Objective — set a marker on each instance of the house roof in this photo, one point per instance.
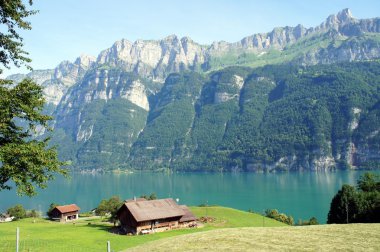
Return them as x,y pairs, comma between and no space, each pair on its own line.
67,208
189,216
136,199
154,209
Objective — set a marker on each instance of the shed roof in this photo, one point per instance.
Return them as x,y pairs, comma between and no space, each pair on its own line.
67,208
189,216
154,209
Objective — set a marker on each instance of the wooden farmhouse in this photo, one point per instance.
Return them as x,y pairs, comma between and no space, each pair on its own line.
142,216
65,213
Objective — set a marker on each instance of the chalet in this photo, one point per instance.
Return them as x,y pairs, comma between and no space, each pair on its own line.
145,216
65,213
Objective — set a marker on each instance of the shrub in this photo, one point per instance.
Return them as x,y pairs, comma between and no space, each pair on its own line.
17,211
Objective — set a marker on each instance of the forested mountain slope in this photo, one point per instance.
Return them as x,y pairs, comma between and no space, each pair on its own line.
294,98
274,117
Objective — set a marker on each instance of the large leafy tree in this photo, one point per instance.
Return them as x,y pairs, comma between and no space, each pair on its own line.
13,14
17,211
110,207
26,161
351,205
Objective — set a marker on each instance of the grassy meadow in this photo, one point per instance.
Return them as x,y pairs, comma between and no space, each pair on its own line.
230,229
92,234
351,237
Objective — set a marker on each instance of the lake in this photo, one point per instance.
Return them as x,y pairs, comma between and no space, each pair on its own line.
300,194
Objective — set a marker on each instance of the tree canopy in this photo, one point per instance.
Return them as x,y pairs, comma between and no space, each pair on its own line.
351,205
13,16
110,207
26,160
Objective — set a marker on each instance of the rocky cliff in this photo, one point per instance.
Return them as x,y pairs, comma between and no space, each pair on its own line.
56,82
174,103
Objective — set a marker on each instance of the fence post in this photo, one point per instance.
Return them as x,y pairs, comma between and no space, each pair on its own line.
17,238
108,246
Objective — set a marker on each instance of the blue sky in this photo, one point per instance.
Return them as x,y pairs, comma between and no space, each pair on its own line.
62,30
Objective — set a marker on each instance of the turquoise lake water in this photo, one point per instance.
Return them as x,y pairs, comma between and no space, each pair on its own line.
300,194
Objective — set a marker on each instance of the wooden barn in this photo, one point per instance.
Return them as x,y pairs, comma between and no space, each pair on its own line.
65,213
142,216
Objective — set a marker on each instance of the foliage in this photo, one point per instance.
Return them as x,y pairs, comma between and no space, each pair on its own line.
51,207
109,207
278,117
33,214
24,160
311,221
274,214
27,162
114,125
13,15
369,182
152,196
17,211
352,205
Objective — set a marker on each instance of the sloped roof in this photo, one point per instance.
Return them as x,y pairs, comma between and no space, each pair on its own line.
189,216
67,208
136,199
154,209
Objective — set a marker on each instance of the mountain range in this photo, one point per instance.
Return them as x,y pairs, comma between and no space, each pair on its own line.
294,98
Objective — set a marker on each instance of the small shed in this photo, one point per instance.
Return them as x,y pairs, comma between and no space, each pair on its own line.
65,213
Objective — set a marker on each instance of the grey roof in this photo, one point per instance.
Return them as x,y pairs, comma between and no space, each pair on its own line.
154,209
189,216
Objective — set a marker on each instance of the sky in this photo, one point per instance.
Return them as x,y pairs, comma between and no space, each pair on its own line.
63,30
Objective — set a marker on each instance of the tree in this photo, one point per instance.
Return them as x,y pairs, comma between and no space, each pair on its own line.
313,221
33,214
274,214
12,17
362,205
369,182
152,196
27,161
343,206
17,211
51,207
110,207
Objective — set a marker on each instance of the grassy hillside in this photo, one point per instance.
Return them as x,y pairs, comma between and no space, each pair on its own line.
42,235
352,237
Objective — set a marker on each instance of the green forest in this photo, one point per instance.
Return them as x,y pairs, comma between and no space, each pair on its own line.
271,118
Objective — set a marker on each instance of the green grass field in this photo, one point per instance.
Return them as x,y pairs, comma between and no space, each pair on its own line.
351,237
231,230
44,235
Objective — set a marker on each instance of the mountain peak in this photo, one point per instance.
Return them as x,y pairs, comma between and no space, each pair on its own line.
335,21
171,37
344,15
85,60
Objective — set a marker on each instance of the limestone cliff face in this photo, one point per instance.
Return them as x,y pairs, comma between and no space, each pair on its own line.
125,80
348,39
227,89
154,59
56,82
99,86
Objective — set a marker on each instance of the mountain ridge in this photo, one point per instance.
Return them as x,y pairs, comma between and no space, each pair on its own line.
176,104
